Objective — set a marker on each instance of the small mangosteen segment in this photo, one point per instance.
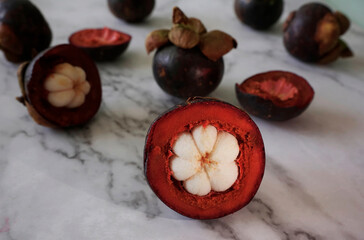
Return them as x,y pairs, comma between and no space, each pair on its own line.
61,87
275,95
131,10
204,159
24,32
312,34
258,14
102,44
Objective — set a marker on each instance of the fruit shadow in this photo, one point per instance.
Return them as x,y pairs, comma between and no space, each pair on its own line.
315,122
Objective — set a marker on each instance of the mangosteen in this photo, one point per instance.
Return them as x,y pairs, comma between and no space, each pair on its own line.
103,44
60,87
258,14
275,95
23,30
312,34
131,10
204,159
188,61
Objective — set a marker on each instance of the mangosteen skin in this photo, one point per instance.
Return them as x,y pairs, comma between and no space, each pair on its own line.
24,32
264,108
299,37
132,11
186,73
105,53
259,14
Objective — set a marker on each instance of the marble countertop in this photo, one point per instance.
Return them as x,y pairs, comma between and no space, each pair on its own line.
88,183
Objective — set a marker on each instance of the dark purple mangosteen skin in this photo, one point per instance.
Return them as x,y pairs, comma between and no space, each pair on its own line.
186,73
265,109
105,53
131,10
299,36
29,26
258,14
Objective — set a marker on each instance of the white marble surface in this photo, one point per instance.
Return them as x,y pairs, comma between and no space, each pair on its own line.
88,183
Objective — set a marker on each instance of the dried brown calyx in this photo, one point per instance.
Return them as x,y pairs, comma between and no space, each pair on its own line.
190,32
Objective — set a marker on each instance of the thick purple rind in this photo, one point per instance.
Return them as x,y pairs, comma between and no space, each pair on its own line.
186,73
103,53
265,108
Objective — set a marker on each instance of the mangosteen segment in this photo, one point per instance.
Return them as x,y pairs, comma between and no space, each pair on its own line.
205,160
24,32
102,44
275,95
61,87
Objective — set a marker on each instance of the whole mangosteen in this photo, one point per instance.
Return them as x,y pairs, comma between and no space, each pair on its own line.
259,14
312,34
131,10
189,60
23,30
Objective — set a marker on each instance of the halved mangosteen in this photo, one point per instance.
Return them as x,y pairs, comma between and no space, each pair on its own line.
275,95
188,61
131,10
24,32
102,44
204,159
60,87
312,34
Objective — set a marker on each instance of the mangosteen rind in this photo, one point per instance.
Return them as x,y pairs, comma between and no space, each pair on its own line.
186,72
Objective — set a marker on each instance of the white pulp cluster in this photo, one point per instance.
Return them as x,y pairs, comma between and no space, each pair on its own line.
205,160
67,86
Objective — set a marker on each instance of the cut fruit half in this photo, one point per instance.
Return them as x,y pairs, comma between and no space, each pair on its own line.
275,95
204,159
60,87
103,44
